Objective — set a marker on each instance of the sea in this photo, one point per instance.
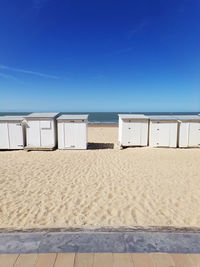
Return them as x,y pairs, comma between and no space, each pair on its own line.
105,117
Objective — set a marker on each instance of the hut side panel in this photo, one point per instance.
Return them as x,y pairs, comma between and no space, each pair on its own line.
61,140
11,133
144,133
4,139
184,134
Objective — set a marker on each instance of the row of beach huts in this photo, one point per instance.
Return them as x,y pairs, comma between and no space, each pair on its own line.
44,131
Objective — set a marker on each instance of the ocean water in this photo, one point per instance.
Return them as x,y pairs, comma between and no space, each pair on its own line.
106,117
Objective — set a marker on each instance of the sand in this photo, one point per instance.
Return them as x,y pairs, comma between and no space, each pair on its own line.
100,187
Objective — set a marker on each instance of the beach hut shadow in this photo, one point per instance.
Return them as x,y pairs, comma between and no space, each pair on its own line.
100,146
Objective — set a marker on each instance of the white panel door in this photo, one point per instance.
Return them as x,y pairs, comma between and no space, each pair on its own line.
127,133
33,133
163,134
46,134
4,139
69,135
80,135
16,135
194,134
136,138
75,135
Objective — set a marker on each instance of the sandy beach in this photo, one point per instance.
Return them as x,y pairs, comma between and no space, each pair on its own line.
102,186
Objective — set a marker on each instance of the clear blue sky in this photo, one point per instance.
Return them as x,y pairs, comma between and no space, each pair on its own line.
66,55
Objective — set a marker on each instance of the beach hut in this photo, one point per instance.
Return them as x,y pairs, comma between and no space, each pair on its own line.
133,130
41,131
163,131
72,131
11,132
189,130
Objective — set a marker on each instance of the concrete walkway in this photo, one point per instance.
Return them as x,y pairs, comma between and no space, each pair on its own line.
100,241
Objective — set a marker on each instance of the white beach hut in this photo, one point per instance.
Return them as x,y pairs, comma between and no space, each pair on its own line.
133,130
189,130
163,131
41,131
11,132
72,131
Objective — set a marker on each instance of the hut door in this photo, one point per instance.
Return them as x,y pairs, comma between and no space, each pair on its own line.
16,135
128,133
33,133
74,135
162,132
69,134
194,134
80,136
136,138
4,141
46,133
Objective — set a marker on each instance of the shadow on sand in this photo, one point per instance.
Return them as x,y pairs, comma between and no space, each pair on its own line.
100,145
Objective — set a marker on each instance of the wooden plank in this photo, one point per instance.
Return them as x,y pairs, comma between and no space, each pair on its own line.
142,260
123,260
65,260
182,260
103,260
45,260
162,260
195,259
8,260
26,260
84,260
